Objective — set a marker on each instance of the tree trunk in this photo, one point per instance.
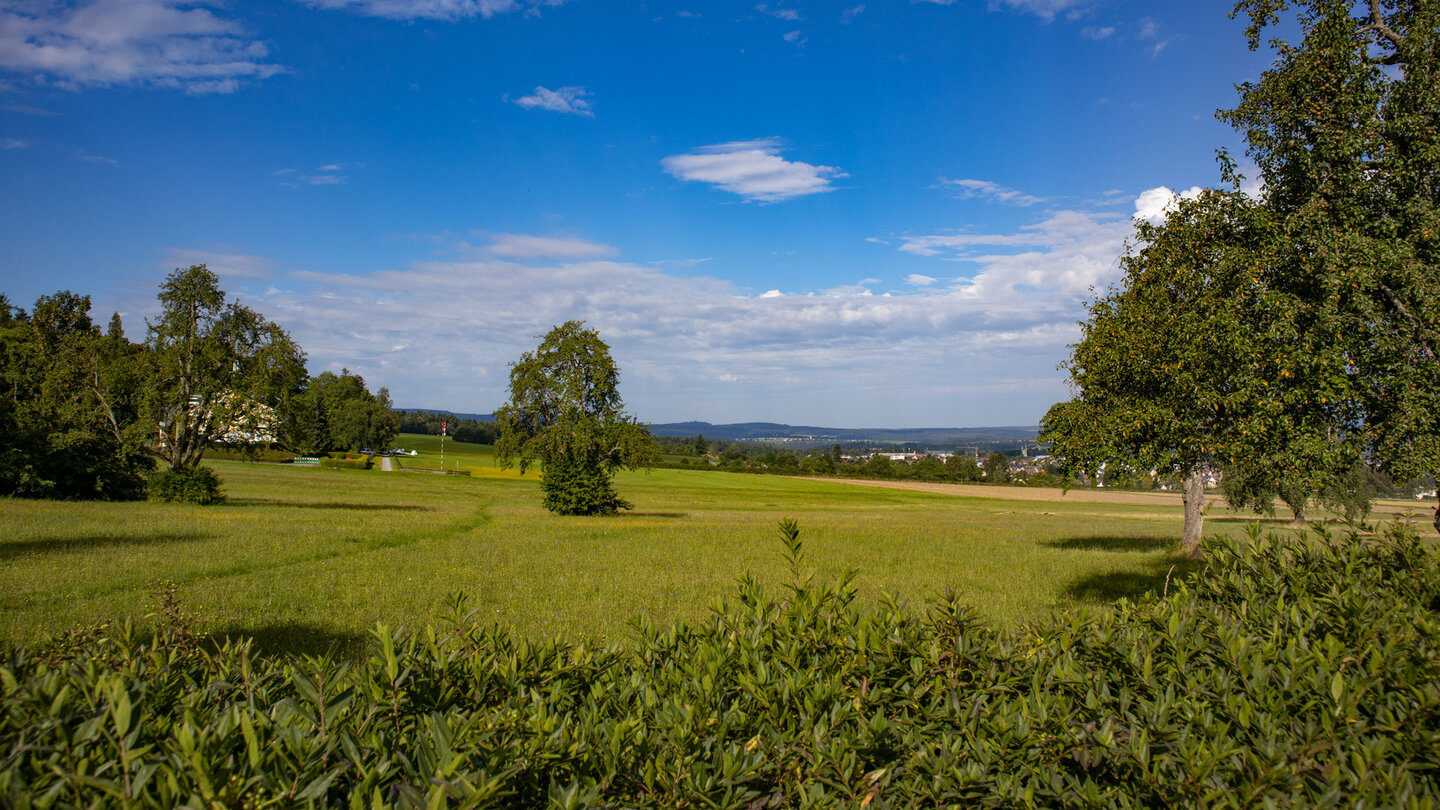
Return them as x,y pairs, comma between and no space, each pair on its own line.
1299,512
1194,499
1437,517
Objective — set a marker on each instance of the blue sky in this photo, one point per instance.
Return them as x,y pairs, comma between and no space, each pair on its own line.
877,215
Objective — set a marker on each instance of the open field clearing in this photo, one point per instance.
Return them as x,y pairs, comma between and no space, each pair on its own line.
1384,509
302,557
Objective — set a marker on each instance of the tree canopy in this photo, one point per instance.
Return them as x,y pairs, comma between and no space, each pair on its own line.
219,370
1292,335
565,412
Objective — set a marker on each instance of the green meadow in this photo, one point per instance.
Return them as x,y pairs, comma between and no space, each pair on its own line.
303,558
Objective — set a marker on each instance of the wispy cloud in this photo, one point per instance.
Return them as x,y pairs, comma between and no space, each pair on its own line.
970,188
14,143
226,264
848,15
157,43
1044,9
524,247
753,170
101,159
26,109
563,100
796,38
1097,32
789,14
444,10
326,175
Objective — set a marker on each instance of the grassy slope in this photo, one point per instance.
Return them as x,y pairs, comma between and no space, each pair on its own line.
303,557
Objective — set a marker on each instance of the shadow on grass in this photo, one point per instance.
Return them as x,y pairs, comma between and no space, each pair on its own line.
1105,588
359,507
296,638
652,514
62,545
1115,543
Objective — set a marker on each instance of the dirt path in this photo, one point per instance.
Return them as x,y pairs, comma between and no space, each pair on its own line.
1023,493
1382,510
385,464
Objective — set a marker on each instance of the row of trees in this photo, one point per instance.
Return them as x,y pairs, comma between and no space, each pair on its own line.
1291,337
459,428
86,413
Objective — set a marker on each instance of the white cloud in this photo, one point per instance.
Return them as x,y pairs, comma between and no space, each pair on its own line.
848,15
101,159
753,170
158,43
795,37
14,143
523,247
446,10
563,100
789,14
973,346
969,188
1153,204
1097,33
853,356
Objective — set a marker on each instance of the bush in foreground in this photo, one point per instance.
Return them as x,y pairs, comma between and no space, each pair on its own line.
197,485
1290,673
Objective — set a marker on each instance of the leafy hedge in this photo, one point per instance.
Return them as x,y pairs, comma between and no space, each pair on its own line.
1288,673
348,463
271,455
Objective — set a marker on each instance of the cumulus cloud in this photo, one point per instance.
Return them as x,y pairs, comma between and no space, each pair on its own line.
157,43
522,247
1153,204
443,10
563,100
753,170
970,188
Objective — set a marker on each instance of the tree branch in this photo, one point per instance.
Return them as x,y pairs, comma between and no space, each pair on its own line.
1377,24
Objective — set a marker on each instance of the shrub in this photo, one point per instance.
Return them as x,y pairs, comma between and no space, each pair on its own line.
1293,673
348,463
198,485
266,454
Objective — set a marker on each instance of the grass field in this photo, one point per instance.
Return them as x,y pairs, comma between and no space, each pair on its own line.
302,558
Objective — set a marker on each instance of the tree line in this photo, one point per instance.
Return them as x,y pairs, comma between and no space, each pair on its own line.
87,413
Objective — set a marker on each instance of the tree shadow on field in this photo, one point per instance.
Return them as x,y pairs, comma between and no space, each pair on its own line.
1104,588
62,545
1115,543
296,638
359,507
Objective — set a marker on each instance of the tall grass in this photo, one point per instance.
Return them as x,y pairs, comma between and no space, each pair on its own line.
305,558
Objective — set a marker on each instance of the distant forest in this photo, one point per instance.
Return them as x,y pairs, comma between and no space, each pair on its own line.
463,428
